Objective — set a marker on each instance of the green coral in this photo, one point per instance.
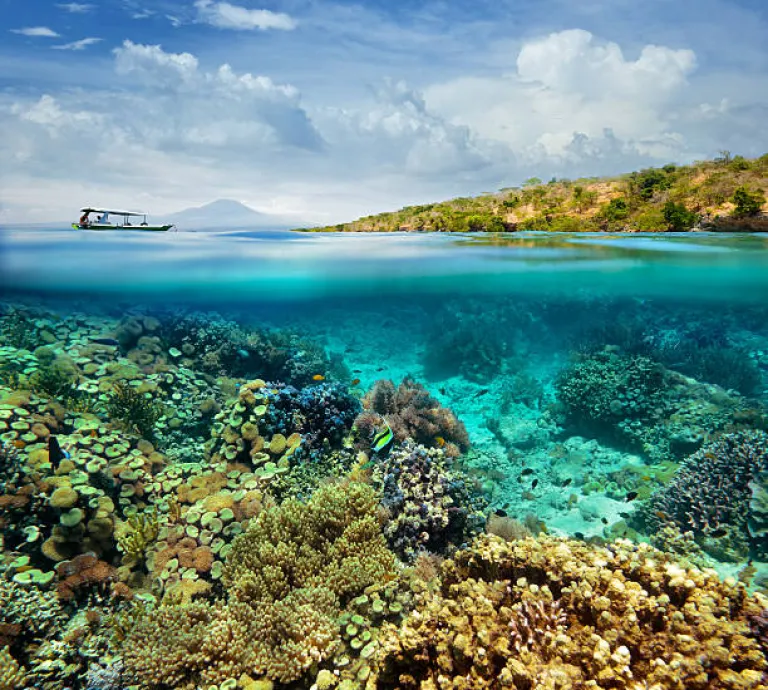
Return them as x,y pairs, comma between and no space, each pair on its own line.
139,534
134,411
333,541
287,581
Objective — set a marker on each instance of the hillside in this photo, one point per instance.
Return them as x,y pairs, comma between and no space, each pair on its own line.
728,193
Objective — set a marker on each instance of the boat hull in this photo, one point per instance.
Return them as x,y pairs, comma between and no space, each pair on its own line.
124,228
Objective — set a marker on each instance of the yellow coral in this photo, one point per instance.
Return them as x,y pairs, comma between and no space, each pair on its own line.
553,613
11,674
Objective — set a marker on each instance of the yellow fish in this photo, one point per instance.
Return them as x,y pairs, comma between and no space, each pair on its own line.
440,441
318,377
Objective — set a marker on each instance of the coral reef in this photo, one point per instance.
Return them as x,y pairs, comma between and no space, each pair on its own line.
711,494
287,579
412,413
430,506
555,613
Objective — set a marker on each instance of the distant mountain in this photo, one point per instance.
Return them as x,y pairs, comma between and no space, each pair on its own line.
226,214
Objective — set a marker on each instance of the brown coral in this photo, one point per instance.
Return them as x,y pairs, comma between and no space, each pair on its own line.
552,613
413,413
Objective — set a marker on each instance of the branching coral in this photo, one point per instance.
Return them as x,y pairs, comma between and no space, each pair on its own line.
553,613
287,579
333,541
11,674
133,410
710,494
414,414
138,534
610,394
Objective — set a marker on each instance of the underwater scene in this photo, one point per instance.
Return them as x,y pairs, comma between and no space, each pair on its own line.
266,461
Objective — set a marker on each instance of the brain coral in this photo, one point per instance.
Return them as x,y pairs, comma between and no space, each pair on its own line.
555,613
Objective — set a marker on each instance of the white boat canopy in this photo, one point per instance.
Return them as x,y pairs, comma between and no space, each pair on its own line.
114,213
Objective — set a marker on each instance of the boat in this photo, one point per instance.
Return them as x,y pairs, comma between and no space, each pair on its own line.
102,222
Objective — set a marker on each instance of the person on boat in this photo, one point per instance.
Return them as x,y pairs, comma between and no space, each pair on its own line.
84,218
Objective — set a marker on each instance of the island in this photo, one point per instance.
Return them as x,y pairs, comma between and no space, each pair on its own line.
725,194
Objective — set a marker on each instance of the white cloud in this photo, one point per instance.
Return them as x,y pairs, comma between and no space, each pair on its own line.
226,16
569,85
48,113
36,32
75,7
78,45
153,62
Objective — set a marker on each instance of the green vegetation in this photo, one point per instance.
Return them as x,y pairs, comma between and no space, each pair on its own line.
717,194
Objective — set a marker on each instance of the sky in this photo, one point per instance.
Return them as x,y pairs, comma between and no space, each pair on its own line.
326,111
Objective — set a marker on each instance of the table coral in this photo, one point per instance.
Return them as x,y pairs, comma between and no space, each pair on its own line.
553,613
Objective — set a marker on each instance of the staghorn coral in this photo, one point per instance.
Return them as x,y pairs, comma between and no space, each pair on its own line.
553,613
430,505
710,494
138,533
414,414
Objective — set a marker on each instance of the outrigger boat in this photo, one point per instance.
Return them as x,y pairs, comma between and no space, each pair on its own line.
102,222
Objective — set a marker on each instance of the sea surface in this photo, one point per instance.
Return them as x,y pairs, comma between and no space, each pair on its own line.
171,403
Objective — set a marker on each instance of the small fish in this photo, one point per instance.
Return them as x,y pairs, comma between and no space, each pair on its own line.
506,505
55,452
501,513
19,444
566,482
631,496
482,391
357,371
440,441
534,484
645,478
441,391
318,377
526,471
94,433
99,340
604,520
355,382
661,515
380,368
383,441
719,532
244,354
578,535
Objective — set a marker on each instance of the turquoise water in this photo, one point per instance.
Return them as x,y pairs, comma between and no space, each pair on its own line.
587,387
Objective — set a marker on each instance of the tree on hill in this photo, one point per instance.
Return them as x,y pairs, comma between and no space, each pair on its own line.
747,203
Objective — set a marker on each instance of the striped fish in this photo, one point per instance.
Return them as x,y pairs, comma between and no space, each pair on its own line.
383,441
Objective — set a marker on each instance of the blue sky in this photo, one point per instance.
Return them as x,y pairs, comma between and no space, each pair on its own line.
326,111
